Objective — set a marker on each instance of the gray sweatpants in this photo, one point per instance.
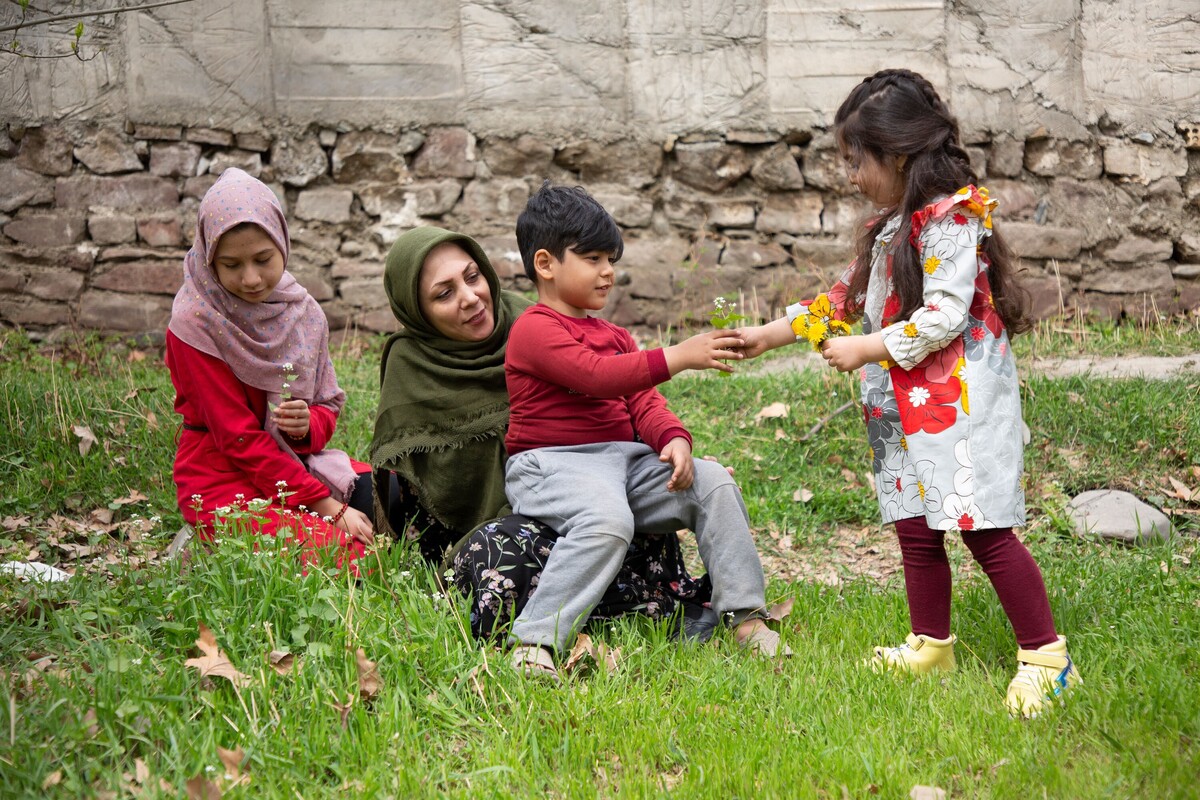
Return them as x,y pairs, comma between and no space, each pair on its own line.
596,496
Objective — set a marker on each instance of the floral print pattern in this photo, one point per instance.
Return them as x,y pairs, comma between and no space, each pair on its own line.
499,565
951,455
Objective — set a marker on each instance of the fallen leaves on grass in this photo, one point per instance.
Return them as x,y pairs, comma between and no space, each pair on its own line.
343,709
214,663
801,495
369,682
1182,491
201,788
773,411
780,610
86,438
281,661
232,760
600,653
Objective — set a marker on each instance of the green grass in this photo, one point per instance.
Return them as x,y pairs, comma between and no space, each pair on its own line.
451,719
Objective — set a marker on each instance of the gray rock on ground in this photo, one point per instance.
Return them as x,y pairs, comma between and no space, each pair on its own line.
1112,514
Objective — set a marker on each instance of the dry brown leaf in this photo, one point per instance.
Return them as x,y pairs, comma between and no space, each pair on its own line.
607,657
850,477
583,647
281,661
140,771
90,719
343,709
780,610
86,438
232,761
780,434
1182,491
201,788
133,497
53,779
927,793
137,355
801,495
14,523
773,411
369,682
214,663
102,515
151,420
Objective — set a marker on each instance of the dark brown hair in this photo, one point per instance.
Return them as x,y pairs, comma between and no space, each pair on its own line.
897,112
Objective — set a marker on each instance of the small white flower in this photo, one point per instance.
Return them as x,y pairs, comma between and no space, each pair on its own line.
239,497
195,498
405,574
278,485
287,367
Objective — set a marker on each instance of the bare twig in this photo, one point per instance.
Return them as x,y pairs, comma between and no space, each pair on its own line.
823,421
95,13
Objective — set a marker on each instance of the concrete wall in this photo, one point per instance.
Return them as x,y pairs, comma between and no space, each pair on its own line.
701,123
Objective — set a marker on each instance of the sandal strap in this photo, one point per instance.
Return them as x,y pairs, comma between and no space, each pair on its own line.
1048,660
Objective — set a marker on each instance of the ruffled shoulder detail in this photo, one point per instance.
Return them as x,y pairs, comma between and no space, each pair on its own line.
975,200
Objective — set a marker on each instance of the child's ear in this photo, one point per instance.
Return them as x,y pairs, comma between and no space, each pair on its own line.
543,264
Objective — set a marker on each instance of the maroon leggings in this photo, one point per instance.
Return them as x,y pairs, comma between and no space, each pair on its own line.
1007,563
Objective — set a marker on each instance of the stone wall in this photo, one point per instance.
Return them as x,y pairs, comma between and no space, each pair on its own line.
702,125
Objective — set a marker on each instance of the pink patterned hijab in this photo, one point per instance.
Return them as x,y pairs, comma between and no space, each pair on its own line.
256,340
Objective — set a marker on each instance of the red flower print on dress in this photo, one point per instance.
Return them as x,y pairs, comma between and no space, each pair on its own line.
891,307
984,309
925,405
959,219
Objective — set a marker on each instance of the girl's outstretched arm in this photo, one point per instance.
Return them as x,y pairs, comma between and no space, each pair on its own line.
761,338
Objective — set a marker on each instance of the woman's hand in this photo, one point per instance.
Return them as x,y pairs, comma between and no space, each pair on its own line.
292,417
678,453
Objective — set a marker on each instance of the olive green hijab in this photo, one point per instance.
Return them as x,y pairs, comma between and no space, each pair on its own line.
443,404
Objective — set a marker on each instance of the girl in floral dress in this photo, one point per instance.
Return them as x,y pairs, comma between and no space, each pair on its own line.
933,285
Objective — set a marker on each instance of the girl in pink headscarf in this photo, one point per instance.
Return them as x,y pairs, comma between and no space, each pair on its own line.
248,352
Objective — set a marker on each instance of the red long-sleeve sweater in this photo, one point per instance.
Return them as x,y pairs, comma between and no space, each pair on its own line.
583,381
233,454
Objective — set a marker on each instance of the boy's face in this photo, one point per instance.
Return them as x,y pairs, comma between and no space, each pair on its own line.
576,284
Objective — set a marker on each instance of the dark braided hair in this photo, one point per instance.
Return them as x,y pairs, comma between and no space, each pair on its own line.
895,113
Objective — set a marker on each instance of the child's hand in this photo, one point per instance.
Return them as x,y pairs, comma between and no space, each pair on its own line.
678,453
761,338
358,525
846,353
704,351
292,417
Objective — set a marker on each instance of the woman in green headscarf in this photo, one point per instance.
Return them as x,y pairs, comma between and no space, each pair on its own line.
443,409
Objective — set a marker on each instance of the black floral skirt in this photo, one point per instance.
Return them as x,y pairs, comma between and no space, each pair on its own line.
498,566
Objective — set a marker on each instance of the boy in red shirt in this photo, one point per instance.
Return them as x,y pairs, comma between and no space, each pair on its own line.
593,450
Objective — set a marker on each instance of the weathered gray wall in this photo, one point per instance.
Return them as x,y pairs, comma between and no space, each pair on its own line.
703,126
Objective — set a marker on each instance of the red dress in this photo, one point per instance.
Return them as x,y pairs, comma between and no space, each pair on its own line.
226,458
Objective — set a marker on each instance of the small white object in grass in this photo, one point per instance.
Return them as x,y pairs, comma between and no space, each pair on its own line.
35,570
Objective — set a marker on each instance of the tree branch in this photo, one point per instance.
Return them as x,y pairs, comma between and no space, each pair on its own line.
81,14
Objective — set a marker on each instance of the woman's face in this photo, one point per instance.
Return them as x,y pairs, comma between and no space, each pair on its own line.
454,295
247,263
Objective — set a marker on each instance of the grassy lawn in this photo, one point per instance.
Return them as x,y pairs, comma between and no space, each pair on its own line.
98,700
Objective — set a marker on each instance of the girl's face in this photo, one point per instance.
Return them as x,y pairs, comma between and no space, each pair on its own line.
881,180
455,296
247,263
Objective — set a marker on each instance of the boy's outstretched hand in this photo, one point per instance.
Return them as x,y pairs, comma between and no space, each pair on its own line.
678,453
704,351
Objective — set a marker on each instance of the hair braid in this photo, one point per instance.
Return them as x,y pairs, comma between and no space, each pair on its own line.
898,113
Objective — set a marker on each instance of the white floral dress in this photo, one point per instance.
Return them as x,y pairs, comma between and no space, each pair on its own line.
944,418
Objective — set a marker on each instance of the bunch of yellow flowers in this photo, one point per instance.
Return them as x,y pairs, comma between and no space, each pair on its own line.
819,324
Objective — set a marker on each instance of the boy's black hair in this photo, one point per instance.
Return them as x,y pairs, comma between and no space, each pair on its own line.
561,218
